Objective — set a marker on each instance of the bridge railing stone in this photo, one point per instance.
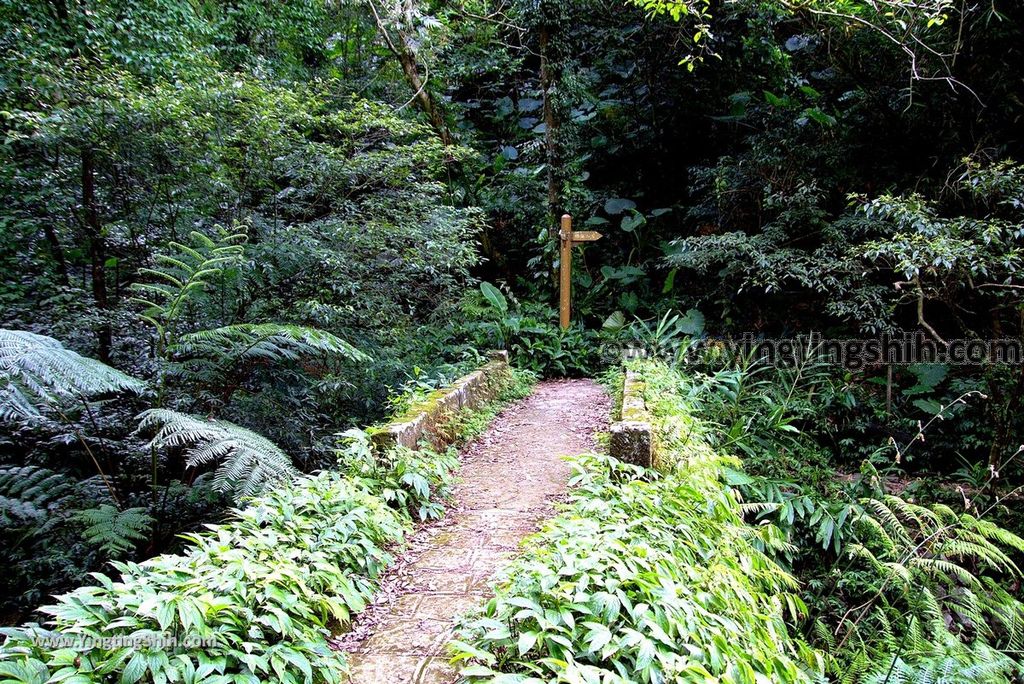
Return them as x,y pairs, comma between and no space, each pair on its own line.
632,436
431,421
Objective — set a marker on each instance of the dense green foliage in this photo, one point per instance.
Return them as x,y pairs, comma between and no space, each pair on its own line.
256,598
755,569
924,592
265,586
193,197
231,231
644,578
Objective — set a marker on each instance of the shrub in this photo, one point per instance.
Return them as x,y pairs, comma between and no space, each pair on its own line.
529,332
415,482
266,588
898,590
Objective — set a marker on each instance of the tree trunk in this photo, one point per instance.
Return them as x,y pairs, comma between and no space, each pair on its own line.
411,69
396,37
550,146
97,252
57,252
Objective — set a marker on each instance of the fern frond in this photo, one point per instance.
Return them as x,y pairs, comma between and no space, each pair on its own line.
248,462
185,271
1006,611
29,493
944,662
874,531
857,667
929,561
897,572
269,341
927,608
992,532
944,570
95,489
983,553
888,519
114,532
921,515
946,515
37,373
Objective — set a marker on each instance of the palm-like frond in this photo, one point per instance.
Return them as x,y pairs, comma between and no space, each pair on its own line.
29,493
887,517
37,372
933,564
943,570
928,662
992,532
114,531
268,341
184,272
248,462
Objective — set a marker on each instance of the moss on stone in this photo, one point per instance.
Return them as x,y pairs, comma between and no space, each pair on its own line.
435,419
632,438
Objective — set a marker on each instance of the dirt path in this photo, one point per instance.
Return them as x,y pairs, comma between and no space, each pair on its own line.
510,477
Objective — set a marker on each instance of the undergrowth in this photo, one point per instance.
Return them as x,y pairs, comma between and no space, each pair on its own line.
254,599
644,577
898,590
750,559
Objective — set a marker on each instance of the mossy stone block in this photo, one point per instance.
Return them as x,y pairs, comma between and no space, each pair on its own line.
631,442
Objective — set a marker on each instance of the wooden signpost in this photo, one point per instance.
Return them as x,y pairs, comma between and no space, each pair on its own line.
567,238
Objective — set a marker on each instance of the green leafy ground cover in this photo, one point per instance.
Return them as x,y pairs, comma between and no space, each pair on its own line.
750,559
645,577
354,170
266,589
900,585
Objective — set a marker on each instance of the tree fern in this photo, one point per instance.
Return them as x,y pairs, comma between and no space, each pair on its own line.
186,271
114,532
267,341
28,494
206,354
37,373
248,462
95,489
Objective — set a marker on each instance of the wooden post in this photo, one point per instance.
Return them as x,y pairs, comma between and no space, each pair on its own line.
566,239
565,271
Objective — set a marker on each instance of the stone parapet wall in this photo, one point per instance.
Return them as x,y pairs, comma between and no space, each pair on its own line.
430,421
632,436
